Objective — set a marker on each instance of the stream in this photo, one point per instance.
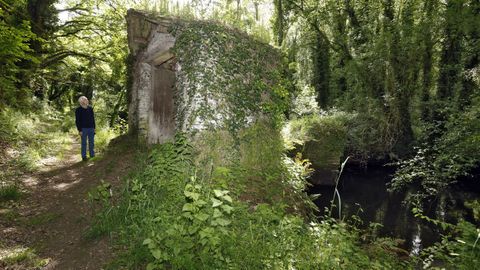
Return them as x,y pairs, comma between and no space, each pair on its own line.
364,194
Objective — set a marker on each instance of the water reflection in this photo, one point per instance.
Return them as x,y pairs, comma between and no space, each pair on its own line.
364,194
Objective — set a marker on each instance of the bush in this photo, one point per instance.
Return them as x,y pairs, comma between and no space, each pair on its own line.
103,137
443,158
305,103
320,138
369,137
173,215
459,248
32,136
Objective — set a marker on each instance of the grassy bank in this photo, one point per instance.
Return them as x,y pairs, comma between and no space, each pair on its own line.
177,212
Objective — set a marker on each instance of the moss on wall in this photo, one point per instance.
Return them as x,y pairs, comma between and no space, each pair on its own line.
321,139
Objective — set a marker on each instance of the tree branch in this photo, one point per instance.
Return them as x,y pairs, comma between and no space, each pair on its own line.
64,54
76,22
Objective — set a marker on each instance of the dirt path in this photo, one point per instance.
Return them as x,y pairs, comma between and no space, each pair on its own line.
55,216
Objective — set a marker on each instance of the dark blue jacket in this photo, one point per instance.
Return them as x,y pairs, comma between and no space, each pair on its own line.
84,118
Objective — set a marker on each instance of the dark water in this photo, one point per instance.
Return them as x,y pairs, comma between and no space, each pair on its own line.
364,194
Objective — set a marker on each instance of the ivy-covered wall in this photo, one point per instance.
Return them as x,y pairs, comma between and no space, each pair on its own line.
225,79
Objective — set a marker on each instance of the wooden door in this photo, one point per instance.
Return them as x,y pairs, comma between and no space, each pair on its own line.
162,111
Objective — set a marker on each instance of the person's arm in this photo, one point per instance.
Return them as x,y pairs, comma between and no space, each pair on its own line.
77,121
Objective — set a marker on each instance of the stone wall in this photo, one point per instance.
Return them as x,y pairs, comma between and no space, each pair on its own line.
150,43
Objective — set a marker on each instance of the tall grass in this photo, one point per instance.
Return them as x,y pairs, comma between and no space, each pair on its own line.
27,139
32,136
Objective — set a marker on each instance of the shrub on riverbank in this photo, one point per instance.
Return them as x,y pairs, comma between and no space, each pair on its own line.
173,214
320,138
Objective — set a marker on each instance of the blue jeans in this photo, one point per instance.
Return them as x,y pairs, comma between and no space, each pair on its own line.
90,134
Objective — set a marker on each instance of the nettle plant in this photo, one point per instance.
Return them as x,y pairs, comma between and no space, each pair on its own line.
198,230
101,193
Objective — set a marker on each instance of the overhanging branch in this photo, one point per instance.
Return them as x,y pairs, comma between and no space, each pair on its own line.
56,57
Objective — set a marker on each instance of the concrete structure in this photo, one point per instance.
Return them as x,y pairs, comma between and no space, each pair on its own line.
221,79
152,107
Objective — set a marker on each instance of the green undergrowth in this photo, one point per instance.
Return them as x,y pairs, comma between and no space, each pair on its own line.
9,192
363,133
448,154
459,247
20,258
320,138
449,151
325,137
30,136
243,209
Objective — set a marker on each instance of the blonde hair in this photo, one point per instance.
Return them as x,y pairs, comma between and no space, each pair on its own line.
83,100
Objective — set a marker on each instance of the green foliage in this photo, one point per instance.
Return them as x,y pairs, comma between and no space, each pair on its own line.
253,166
351,53
172,214
15,35
214,149
244,77
418,213
31,136
103,136
320,138
304,103
275,240
362,135
452,155
382,61
475,206
9,192
156,190
369,137
101,193
260,168
458,250
193,240
21,258
83,55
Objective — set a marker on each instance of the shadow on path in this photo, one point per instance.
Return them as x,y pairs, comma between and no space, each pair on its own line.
56,214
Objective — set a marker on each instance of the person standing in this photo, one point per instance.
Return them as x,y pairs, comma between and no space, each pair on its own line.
85,121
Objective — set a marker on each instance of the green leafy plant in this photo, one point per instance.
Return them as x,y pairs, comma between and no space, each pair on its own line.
198,230
439,164
320,138
9,193
173,215
459,249
101,193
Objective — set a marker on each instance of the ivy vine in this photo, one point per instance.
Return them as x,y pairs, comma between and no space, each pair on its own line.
226,79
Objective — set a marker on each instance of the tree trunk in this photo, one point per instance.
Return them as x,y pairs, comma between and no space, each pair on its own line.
472,61
403,79
450,62
321,69
278,27
427,61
